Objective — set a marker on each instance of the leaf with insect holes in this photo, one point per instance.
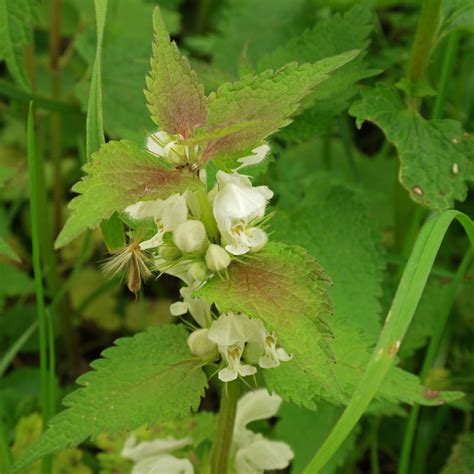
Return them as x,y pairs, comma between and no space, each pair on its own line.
269,99
435,155
120,174
175,98
144,379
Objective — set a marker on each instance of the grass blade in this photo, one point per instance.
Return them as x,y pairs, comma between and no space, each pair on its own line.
45,380
403,307
112,229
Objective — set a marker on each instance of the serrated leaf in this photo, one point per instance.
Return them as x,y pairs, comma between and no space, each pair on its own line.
285,288
120,174
328,37
175,98
7,251
16,17
435,155
270,98
148,378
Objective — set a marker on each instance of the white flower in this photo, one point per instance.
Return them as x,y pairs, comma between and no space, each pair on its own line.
230,332
168,214
264,349
254,452
197,307
200,344
217,259
152,457
257,156
190,236
236,205
168,147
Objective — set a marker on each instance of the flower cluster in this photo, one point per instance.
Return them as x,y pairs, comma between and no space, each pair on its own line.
198,234
252,452
240,342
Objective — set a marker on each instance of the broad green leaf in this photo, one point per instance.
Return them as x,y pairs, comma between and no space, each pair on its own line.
15,281
120,174
332,221
270,98
287,289
7,251
461,459
148,378
328,37
175,98
249,29
435,155
16,17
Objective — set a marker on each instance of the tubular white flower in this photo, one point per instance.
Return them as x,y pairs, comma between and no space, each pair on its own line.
257,156
255,453
264,349
200,344
217,259
190,236
197,307
235,206
167,146
152,457
232,355
168,214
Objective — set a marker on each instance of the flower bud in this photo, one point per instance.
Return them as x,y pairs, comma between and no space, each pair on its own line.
198,271
190,236
178,308
217,258
169,252
200,344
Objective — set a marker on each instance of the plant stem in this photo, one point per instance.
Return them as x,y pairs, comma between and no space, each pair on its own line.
425,39
38,278
403,307
446,71
207,217
374,447
5,453
445,310
345,131
225,428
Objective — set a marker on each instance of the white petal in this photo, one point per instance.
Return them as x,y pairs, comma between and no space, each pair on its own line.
145,209
163,464
257,156
227,375
178,308
237,248
198,307
175,211
256,405
156,142
283,355
145,449
154,242
234,178
230,329
257,238
246,370
263,454
190,236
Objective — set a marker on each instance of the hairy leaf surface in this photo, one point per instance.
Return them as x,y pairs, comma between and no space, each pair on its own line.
175,98
270,98
148,378
435,155
120,174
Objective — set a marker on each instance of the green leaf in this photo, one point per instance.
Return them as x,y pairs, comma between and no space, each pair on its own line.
457,15
270,98
120,174
148,378
15,281
175,98
461,460
7,251
297,425
435,155
332,221
16,17
328,37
